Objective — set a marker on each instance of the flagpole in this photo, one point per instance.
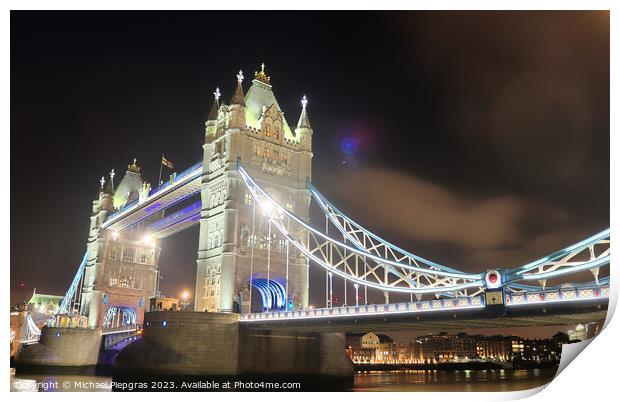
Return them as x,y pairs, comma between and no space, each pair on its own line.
161,160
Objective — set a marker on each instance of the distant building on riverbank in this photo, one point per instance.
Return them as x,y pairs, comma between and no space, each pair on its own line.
439,348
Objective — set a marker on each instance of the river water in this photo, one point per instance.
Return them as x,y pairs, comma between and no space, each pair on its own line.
400,380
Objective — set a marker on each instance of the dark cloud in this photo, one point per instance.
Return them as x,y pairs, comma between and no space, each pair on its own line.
498,231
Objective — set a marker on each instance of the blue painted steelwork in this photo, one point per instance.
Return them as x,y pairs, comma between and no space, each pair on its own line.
273,293
565,294
324,203
518,287
184,214
193,170
65,305
463,303
253,186
129,316
604,235
187,172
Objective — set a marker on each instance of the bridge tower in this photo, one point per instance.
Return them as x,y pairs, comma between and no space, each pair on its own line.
122,268
236,250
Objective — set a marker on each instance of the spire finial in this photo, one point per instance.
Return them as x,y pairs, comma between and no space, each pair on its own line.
112,174
134,167
303,122
217,94
240,76
102,181
261,76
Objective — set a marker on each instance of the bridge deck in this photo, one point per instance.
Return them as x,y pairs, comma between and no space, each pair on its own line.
552,307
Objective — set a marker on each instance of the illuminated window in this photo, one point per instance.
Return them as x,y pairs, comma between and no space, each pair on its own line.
289,206
248,199
252,240
129,255
113,281
125,282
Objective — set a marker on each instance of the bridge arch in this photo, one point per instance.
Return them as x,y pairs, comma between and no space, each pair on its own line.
118,316
272,293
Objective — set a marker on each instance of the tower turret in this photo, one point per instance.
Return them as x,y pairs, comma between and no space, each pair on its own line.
303,130
211,123
131,183
237,105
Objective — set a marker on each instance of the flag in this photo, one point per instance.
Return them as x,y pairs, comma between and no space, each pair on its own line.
166,162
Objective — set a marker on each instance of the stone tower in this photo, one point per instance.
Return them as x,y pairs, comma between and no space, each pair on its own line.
121,269
234,244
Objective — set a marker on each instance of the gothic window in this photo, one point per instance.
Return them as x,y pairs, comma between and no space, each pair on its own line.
289,205
112,254
113,281
248,199
143,259
282,245
125,282
129,254
252,240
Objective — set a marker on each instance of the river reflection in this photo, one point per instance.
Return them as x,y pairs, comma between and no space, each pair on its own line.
458,380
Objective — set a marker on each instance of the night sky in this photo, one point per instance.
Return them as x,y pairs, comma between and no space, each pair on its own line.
479,139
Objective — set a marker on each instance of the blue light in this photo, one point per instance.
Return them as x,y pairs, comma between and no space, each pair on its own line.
164,323
348,145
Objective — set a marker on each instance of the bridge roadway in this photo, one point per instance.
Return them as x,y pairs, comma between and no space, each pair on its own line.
521,309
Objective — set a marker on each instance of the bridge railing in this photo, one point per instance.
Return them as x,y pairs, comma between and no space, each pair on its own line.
556,295
124,328
371,309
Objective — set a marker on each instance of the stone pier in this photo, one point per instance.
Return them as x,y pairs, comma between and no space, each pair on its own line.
68,347
189,343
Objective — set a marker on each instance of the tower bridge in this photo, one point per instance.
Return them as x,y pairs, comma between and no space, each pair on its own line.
250,195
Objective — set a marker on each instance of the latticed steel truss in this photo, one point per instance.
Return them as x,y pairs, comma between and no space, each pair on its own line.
347,257
366,240
358,255
589,254
73,295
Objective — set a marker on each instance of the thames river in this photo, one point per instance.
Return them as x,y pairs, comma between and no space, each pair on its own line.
401,380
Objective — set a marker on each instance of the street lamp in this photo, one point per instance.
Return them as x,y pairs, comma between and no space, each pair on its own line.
185,299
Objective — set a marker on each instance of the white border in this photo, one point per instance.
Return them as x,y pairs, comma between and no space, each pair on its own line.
590,376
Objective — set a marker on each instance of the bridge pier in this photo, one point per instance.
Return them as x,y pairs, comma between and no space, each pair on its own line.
191,343
68,347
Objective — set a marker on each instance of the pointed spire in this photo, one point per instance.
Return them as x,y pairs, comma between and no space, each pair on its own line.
216,105
109,187
304,121
238,98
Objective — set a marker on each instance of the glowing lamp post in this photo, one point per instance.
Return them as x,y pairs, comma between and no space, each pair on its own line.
185,299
